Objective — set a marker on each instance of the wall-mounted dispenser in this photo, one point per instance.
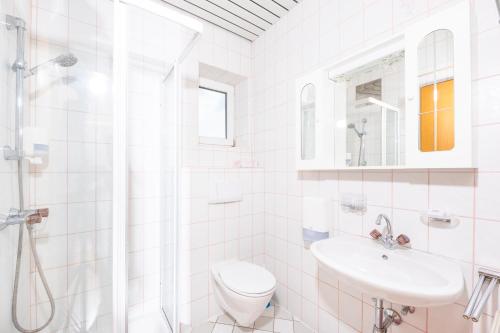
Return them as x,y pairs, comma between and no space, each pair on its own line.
316,216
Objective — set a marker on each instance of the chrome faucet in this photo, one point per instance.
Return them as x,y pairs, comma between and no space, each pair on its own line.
387,238
29,216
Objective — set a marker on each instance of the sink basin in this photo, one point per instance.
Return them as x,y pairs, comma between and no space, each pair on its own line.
401,275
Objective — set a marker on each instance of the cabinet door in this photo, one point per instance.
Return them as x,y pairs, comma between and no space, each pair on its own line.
314,115
438,90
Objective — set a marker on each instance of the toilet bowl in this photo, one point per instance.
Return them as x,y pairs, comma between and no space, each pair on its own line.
242,289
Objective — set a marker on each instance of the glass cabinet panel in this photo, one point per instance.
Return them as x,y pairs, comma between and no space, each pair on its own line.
308,122
436,82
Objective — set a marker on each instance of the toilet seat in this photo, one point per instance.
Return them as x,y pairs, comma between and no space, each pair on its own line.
247,279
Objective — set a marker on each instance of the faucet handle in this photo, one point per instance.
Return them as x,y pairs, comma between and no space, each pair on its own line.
403,239
375,234
43,212
37,216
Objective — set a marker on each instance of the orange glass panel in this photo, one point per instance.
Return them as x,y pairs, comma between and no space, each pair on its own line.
445,95
427,118
445,116
427,99
427,132
446,130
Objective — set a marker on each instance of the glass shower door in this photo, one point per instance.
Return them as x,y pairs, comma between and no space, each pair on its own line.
153,45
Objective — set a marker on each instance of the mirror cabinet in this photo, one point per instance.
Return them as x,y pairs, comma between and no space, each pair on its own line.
404,103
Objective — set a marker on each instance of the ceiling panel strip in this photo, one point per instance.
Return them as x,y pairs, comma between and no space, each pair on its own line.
243,13
226,15
254,8
214,19
272,6
288,4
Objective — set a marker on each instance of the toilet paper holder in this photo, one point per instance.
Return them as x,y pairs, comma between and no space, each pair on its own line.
488,279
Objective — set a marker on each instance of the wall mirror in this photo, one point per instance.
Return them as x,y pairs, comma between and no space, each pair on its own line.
370,113
308,121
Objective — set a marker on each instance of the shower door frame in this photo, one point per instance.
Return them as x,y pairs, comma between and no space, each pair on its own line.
120,150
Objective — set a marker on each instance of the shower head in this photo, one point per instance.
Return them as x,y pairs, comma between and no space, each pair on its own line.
361,133
63,60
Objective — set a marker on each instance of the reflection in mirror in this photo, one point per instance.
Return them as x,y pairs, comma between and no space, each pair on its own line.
374,112
435,71
308,121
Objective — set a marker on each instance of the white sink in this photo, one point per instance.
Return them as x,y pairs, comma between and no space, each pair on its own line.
401,275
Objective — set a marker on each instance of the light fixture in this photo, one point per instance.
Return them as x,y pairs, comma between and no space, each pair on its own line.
168,13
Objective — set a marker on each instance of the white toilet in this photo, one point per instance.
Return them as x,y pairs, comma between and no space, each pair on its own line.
242,289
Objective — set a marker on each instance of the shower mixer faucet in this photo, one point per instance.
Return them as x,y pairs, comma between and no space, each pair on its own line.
29,216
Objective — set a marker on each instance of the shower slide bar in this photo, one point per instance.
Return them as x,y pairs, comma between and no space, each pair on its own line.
488,280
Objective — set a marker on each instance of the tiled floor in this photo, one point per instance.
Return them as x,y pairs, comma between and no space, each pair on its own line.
274,319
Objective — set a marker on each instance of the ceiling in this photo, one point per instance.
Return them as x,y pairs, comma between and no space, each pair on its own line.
245,18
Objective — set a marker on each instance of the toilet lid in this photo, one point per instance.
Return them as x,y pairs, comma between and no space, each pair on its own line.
245,278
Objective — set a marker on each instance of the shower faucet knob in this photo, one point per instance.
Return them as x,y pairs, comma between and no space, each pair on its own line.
37,216
44,212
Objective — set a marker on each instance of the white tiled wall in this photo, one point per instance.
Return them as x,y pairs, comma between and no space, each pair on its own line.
314,33
211,233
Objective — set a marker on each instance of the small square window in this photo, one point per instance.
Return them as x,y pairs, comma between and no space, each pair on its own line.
215,113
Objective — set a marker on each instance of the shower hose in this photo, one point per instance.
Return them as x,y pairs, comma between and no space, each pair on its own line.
39,269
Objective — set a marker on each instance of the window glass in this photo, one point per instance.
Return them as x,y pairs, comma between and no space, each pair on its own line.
212,113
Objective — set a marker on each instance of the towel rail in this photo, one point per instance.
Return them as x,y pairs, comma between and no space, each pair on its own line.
488,280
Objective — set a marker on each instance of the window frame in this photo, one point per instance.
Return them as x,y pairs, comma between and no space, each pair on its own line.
228,90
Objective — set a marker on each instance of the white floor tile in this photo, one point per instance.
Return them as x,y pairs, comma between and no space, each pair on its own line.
246,326
222,328
299,327
225,319
283,326
264,324
239,329
204,328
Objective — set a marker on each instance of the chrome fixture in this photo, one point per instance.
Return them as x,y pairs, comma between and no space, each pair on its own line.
30,216
63,60
21,216
353,203
498,8
489,280
384,317
387,238
361,135
437,216
405,309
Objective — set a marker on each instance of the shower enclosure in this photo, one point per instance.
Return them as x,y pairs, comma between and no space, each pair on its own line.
89,125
